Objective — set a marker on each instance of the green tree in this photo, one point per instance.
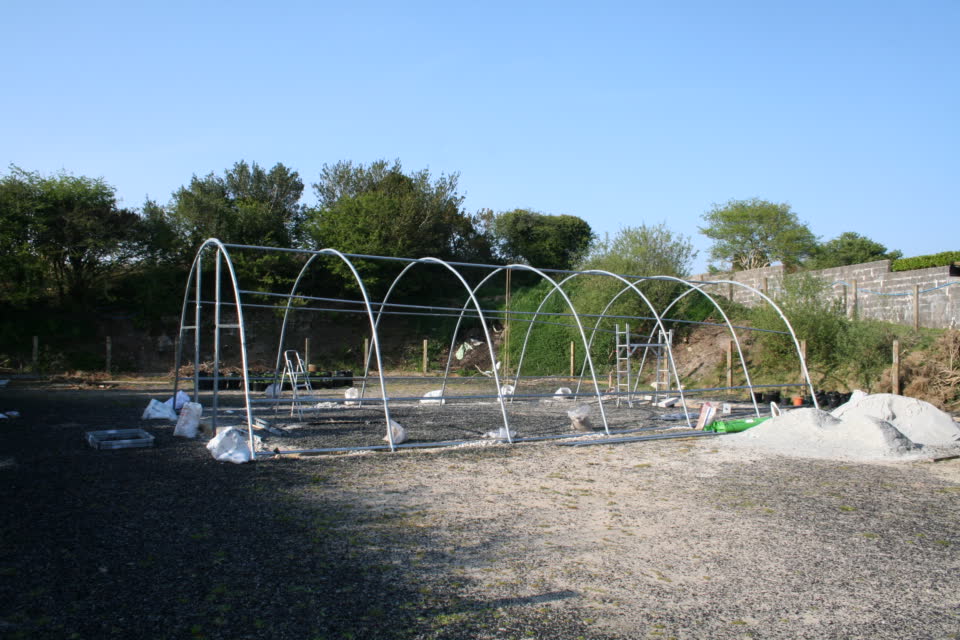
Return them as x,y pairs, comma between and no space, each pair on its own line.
247,205
849,248
68,228
541,240
380,210
754,233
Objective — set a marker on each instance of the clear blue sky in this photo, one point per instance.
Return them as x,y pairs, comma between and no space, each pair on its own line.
620,113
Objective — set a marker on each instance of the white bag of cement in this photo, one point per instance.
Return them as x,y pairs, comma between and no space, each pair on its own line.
507,390
157,410
397,432
580,417
669,402
433,397
230,445
563,393
178,400
500,434
272,390
189,422
350,394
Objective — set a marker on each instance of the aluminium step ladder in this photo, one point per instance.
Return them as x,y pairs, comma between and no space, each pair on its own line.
659,353
296,372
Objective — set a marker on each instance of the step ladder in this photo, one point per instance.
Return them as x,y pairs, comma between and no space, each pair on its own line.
623,365
296,372
659,354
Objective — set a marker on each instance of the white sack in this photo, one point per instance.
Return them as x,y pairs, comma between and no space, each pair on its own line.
433,397
397,431
500,434
580,418
189,422
351,393
563,393
507,390
230,445
176,402
157,410
272,390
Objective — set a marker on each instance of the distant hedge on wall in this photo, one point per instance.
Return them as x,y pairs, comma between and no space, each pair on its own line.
923,262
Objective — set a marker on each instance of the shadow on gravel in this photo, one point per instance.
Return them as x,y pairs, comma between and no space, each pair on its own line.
167,543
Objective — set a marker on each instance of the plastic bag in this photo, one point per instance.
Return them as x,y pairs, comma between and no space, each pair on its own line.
507,390
272,390
500,434
230,445
189,423
397,431
157,410
351,393
176,402
580,417
433,397
563,393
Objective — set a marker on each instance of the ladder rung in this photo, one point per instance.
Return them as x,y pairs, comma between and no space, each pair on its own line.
188,327
228,326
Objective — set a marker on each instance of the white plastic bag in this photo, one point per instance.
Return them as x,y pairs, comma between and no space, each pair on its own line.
563,393
176,402
157,410
189,422
507,390
272,390
397,431
350,393
230,445
433,397
500,434
580,417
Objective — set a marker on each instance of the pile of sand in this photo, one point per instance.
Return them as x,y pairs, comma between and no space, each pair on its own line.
868,427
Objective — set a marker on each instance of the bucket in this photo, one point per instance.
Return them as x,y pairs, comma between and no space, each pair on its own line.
797,401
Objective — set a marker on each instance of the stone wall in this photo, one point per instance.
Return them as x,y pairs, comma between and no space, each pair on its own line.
930,296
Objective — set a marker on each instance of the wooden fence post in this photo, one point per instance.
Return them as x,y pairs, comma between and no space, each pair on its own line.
425,357
856,295
366,352
895,369
572,356
729,363
916,306
109,354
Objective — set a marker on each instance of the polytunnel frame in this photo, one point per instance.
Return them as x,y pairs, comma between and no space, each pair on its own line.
195,282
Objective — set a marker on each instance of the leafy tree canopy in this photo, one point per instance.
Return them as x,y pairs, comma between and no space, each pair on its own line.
754,233
849,248
540,240
62,228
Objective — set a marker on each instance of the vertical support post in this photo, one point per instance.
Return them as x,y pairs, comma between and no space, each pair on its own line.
425,357
36,354
803,354
730,292
306,354
196,333
366,351
505,348
729,363
856,294
766,286
216,344
573,352
109,354
916,306
895,370
845,296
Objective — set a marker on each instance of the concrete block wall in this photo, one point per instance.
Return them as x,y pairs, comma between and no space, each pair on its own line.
933,294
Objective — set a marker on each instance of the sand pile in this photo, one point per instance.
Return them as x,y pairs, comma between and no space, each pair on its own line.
869,427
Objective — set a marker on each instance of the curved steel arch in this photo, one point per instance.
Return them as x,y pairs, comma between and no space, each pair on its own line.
194,275
483,322
374,334
586,348
692,287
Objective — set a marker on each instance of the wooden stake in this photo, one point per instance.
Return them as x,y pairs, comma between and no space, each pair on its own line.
895,370
425,357
572,355
916,306
730,363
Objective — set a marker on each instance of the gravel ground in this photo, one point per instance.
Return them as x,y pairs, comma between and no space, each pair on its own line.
657,539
